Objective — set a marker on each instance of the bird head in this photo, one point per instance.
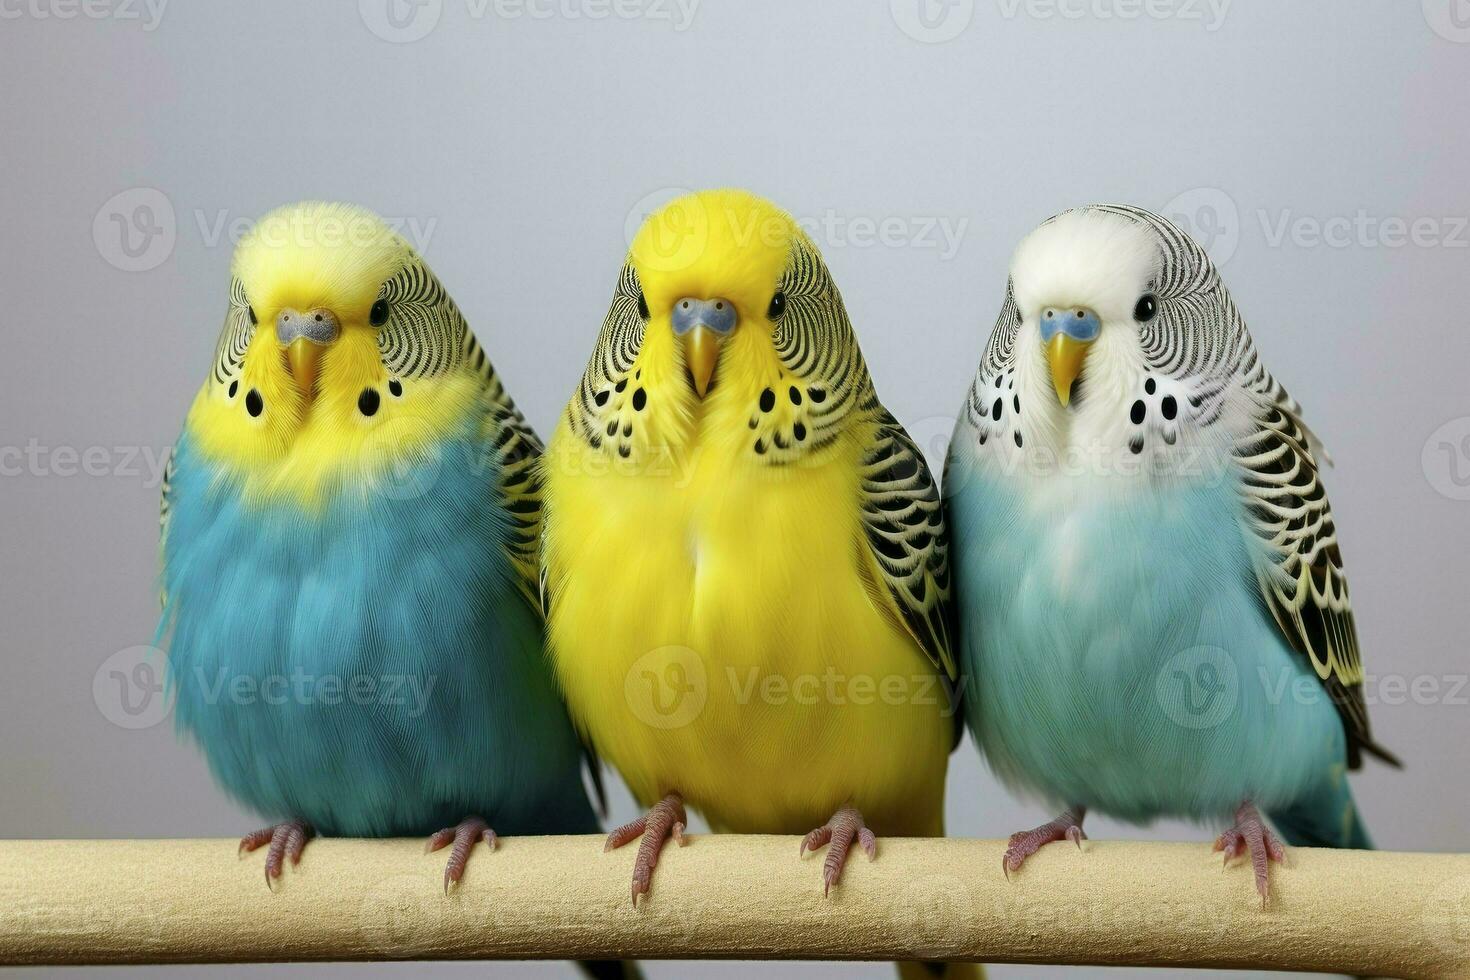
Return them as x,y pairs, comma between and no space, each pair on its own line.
335,328
725,316
1083,284
710,266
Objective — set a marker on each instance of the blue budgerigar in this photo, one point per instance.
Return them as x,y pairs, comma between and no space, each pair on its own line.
350,524
1153,606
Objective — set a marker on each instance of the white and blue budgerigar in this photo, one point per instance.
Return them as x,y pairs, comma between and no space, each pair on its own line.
1152,600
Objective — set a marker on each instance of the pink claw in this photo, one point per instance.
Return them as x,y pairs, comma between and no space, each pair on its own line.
464,835
845,826
665,819
1022,845
1250,834
287,840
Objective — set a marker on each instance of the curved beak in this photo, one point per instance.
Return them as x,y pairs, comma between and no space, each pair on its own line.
702,325
304,358
1067,333
303,337
701,354
1066,355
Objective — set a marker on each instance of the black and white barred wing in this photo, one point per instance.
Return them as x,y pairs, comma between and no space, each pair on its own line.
908,541
1301,572
425,336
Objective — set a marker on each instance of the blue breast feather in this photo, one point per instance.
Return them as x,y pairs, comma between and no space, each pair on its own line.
370,668
1119,656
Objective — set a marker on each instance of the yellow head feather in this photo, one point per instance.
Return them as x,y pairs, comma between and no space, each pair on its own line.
351,421
727,243
318,254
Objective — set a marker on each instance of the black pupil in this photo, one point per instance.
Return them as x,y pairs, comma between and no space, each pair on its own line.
1146,308
778,306
642,306
378,315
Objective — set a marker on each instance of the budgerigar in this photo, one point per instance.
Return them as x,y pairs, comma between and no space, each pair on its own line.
1152,597
350,524
742,547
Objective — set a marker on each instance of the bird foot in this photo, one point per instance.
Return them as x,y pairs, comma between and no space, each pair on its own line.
1251,835
845,826
664,820
286,840
1022,845
463,836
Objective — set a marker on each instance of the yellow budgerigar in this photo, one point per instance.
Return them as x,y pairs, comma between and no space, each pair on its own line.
745,559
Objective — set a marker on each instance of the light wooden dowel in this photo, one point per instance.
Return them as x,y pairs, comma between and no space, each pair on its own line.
163,901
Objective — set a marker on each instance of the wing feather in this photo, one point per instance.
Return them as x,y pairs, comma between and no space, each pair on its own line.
908,541
1299,567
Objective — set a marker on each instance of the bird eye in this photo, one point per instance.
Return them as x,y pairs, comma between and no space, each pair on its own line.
778,306
1147,308
643,306
378,315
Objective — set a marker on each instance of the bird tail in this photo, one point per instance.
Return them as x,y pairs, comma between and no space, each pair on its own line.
611,969
1326,818
940,971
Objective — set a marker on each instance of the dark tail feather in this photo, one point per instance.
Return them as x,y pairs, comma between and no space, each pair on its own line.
1327,818
940,971
611,969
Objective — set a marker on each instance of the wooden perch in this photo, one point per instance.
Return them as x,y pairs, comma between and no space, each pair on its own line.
194,901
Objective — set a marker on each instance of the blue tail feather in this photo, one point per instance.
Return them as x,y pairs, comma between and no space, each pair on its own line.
1327,818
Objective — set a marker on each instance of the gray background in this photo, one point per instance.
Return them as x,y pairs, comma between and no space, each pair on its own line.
525,146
